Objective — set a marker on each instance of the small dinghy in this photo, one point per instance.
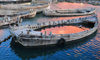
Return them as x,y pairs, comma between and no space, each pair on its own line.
44,34
69,12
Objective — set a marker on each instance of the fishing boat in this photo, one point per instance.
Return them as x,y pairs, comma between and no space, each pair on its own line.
69,12
32,35
22,13
7,21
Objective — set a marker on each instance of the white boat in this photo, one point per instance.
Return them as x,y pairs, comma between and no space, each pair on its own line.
30,35
69,12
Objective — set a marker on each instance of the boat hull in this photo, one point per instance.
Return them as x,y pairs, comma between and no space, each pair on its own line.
54,13
51,41
13,20
25,40
30,15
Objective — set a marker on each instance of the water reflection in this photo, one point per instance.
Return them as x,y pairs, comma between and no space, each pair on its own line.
43,51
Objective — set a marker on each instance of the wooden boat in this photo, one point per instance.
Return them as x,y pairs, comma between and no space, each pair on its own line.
69,12
30,35
14,1
94,2
38,6
6,21
22,13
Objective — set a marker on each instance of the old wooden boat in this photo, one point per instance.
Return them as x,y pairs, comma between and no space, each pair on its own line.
14,1
7,21
38,6
31,35
69,12
22,13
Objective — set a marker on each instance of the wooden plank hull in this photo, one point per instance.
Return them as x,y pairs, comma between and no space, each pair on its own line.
34,38
67,12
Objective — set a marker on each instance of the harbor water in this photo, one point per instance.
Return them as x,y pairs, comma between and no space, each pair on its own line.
87,48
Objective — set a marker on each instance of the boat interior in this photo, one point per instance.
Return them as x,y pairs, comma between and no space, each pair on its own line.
67,28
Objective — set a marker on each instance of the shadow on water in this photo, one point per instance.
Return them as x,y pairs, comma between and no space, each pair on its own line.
33,52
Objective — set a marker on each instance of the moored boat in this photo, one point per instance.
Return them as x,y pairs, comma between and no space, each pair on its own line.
7,21
39,7
69,12
22,13
31,35
14,1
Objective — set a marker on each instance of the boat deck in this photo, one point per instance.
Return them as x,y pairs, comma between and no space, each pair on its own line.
7,12
64,30
10,12
22,6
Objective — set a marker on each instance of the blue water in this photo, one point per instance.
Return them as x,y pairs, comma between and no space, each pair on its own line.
84,49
